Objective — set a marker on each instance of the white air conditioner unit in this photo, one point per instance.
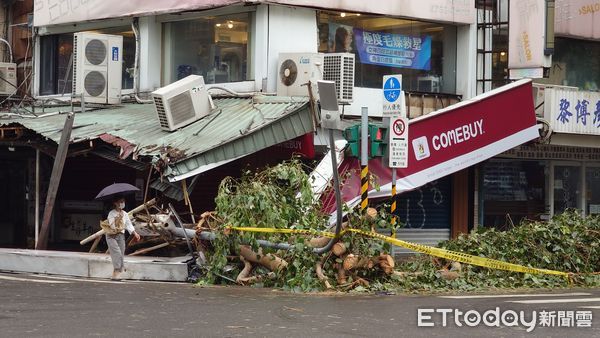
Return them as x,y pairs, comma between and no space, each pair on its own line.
182,102
429,84
8,75
297,69
97,67
339,68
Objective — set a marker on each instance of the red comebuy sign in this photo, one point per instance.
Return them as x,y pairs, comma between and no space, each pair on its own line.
458,137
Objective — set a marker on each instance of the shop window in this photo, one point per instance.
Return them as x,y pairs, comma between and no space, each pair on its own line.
567,188
423,52
513,191
592,187
214,47
575,63
56,73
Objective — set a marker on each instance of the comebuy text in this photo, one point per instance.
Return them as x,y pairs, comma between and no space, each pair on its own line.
457,135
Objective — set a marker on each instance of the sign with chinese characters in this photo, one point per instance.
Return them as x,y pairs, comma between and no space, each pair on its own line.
572,111
398,131
393,50
393,96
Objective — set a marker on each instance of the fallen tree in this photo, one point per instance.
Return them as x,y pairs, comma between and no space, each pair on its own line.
280,198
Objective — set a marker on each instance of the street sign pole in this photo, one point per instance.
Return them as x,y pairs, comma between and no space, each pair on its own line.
364,160
393,105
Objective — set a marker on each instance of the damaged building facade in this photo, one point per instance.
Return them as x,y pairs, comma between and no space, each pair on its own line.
234,45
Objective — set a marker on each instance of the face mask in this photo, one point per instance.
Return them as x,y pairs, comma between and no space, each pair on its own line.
122,205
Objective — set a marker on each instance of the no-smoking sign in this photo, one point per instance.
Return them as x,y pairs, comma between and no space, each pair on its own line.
399,127
398,142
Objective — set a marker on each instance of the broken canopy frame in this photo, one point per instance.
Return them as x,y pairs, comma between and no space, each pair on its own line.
239,127
452,139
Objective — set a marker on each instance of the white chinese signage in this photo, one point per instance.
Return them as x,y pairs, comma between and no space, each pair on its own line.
398,131
572,111
53,12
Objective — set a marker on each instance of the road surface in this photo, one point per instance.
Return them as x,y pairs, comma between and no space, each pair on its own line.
50,306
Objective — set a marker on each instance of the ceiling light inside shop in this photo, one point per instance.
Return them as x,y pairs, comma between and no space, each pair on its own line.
343,15
218,25
230,25
502,53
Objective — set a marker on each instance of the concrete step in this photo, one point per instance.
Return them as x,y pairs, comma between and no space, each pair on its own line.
90,265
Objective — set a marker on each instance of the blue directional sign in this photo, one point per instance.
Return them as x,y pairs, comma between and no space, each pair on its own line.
391,89
392,95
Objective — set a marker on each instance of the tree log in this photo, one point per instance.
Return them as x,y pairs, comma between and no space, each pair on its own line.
269,261
320,274
339,249
319,242
244,275
386,263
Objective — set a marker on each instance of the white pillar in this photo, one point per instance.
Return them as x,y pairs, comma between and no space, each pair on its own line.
150,53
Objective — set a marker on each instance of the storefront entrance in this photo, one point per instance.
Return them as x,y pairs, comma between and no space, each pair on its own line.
13,202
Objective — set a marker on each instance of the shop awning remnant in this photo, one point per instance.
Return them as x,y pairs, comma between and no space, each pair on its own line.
238,127
454,138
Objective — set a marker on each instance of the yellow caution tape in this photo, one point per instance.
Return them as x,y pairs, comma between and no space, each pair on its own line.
432,251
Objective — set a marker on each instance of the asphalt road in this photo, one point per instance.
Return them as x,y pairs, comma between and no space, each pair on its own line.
47,306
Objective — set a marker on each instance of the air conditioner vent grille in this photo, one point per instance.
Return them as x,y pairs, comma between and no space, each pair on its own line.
162,114
339,68
181,107
95,52
3,83
94,83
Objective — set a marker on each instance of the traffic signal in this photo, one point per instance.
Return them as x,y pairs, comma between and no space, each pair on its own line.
352,135
378,137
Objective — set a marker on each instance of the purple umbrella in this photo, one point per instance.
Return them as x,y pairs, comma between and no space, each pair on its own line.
116,189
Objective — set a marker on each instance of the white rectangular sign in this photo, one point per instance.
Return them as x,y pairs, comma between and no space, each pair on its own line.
393,96
398,143
572,111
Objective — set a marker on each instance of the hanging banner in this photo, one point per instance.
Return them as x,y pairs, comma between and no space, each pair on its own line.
526,34
393,50
457,137
577,18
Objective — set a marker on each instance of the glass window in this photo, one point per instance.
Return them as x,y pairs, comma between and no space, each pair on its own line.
214,47
567,188
592,195
515,188
575,63
423,52
56,74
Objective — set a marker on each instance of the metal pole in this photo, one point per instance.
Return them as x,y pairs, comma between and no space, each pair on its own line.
393,207
180,223
364,160
37,196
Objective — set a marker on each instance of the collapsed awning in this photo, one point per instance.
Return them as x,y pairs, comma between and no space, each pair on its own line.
236,128
452,139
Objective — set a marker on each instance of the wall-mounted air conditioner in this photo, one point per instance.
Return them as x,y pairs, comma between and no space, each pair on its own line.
97,67
182,102
339,68
297,69
8,73
429,84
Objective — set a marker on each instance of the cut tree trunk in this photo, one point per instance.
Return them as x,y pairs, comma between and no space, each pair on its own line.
269,261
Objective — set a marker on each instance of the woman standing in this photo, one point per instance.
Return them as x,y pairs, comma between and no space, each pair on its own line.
118,222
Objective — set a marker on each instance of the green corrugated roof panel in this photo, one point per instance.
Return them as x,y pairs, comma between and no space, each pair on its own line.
238,127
